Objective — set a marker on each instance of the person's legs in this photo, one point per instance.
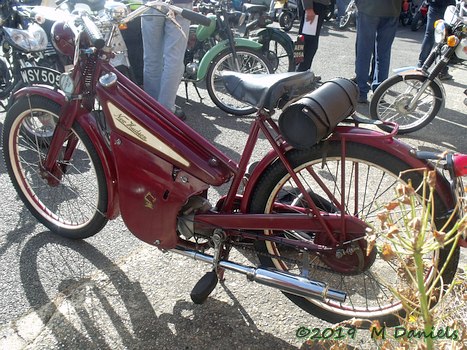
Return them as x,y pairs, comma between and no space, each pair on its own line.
174,51
341,7
312,41
365,44
434,13
384,38
152,29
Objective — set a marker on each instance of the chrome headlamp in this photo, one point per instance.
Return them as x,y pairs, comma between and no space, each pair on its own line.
440,31
30,40
116,10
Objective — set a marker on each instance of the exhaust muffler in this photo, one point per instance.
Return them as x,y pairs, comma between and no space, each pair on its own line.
282,280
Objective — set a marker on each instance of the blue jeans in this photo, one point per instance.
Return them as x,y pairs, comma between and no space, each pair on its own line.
341,6
434,13
164,48
374,35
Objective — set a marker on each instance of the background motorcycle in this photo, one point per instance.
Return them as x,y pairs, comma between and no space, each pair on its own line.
409,8
288,13
413,97
278,47
214,48
420,16
305,208
349,16
25,49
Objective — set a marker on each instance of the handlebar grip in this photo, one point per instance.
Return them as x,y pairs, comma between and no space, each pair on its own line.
59,2
94,33
195,17
428,155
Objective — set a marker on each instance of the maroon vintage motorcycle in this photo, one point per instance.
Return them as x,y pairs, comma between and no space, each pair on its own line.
304,208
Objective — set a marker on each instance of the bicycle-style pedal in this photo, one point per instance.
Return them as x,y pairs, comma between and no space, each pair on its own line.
204,287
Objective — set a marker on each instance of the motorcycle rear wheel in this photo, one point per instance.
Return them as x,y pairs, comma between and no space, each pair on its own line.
71,200
372,174
250,61
279,53
389,103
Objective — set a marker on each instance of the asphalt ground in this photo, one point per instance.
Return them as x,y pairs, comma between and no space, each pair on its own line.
114,292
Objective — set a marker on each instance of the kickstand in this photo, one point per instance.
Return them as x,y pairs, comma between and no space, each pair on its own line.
196,88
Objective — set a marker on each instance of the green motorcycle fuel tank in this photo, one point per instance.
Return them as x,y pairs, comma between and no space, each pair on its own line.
204,32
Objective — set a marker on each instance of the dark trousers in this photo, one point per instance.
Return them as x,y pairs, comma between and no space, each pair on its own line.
311,41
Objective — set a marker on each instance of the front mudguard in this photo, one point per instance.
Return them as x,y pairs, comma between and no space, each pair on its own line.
88,123
217,49
370,138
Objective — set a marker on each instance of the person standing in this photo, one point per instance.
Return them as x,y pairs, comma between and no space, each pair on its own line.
376,29
164,46
436,11
313,10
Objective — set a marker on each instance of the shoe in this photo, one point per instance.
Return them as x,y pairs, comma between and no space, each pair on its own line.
179,113
362,99
444,76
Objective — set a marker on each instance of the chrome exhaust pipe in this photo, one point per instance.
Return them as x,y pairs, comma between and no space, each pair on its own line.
282,280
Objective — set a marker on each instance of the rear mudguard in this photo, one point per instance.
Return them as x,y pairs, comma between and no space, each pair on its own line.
370,138
268,33
217,49
88,123
405,71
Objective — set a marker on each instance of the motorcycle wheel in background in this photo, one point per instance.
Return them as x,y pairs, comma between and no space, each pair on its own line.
391,99
250,61
418,21
286,20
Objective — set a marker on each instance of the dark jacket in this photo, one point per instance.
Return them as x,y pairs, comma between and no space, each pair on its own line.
441,3
308,4
380,8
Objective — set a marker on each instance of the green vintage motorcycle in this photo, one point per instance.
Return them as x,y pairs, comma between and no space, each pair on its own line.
213,49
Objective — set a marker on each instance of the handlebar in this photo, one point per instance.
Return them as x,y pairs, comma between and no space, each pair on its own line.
456,162
93,32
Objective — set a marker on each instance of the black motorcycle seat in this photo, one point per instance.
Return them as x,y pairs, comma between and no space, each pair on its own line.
266,90
254,8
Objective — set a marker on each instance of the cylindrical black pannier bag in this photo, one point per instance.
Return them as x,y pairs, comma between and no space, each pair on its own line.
310,119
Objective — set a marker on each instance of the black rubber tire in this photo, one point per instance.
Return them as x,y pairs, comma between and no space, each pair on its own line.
282,53
6,79
270,189
286,20
74,206
215,87
389,100
344,20
417,22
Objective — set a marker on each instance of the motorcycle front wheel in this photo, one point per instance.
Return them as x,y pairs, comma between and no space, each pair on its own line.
365,274
71,199
249,61
391,100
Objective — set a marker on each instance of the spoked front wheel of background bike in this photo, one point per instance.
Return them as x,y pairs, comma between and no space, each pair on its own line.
391,99
250,61
72,198
370,178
